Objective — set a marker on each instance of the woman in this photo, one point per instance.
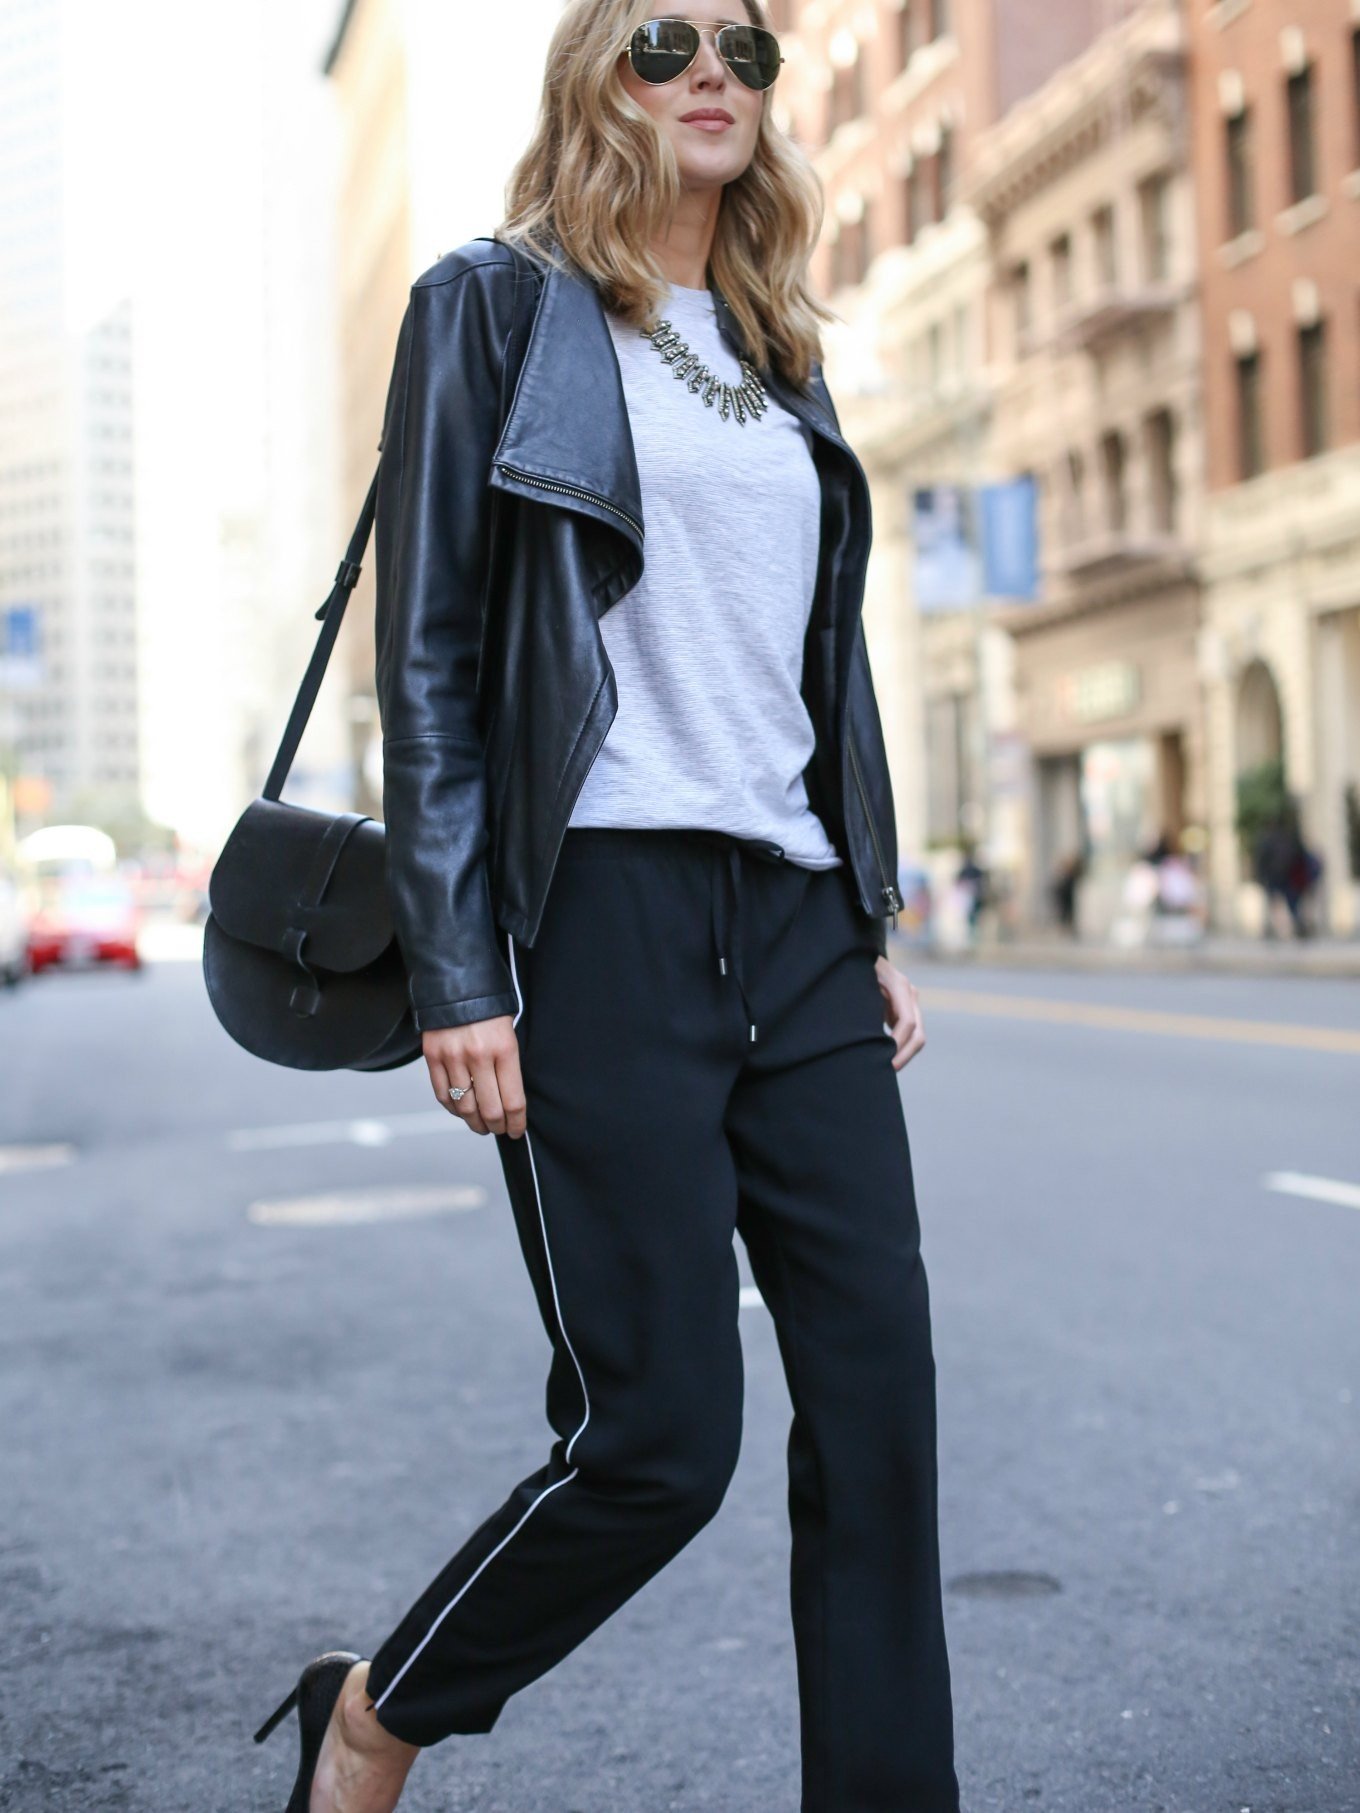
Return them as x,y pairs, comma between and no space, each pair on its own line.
683,1035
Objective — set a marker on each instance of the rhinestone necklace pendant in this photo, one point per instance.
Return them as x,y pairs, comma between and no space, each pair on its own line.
740,400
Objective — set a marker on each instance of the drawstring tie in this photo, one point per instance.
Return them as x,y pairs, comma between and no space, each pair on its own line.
727,939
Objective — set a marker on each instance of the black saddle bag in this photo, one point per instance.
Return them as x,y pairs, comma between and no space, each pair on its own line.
300,958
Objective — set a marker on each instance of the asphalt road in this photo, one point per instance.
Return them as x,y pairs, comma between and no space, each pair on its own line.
239,1428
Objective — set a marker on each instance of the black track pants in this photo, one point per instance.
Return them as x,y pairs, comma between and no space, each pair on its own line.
657,1124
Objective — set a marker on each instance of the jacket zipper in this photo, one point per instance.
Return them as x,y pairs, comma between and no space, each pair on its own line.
593,497
888,891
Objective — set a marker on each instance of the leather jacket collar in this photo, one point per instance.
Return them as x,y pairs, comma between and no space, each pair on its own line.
568,421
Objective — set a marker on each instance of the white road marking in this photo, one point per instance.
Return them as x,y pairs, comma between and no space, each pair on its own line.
345,1208
1319,1189
356,1132
34,1158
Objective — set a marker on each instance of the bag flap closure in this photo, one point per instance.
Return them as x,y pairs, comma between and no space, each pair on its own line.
310,885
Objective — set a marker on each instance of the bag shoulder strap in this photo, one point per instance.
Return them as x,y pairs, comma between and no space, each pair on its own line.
332,612
347,573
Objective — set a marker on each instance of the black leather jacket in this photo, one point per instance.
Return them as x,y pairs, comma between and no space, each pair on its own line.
509,520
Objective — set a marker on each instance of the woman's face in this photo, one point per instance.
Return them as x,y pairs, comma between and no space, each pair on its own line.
711,154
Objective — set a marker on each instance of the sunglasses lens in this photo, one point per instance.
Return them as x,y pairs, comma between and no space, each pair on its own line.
662,49
751,53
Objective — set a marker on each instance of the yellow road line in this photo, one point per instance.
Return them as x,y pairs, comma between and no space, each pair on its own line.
1144,1019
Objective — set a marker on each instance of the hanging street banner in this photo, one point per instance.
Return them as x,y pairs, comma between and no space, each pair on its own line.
975,542
948,567
1010,539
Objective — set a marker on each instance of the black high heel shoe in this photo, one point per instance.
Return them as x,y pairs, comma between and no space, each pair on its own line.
318,1688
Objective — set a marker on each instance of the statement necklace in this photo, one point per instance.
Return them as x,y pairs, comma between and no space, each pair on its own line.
739,399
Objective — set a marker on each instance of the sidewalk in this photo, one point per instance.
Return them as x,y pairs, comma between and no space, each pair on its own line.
1225,953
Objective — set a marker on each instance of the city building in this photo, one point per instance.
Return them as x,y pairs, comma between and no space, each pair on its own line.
892,102
68,657
1096,370
228,242
167,500
1277,167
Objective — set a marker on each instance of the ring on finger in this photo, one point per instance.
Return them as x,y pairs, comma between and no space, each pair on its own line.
456,1095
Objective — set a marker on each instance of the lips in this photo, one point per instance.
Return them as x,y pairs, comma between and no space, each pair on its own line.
707,116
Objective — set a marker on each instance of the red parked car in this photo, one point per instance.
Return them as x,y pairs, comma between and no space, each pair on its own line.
84,920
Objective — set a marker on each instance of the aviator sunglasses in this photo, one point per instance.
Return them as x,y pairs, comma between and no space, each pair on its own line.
662,49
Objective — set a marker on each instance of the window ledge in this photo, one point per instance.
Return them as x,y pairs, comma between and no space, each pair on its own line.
1305,213
1234,252
927,61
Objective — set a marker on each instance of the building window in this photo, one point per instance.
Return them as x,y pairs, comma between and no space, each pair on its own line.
1237,137
917,198
1163,494
920,23
1022,310
1060,257
935,354
1154,212
1106,255
1313,389
1113,470
944,172
913,26
850,252
1076,497
847,92
1251,451
961,357
861,248
1302,134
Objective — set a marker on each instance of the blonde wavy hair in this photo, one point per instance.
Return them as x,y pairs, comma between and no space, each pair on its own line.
601,178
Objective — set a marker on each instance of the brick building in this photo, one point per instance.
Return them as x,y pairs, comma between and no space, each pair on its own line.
891,102
1085,190
1277,169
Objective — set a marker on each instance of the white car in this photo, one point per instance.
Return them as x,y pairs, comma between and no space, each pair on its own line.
13,927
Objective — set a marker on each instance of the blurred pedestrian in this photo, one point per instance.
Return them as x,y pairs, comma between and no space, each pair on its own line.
1179,904
1066,877
972,879
689,1040
1286,870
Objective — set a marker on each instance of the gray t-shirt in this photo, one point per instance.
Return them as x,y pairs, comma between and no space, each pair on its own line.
707,648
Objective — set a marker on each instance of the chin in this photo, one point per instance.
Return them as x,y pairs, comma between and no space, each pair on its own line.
709,173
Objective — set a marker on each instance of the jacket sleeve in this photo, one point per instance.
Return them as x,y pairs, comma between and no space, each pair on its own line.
880,925
439,433
880,921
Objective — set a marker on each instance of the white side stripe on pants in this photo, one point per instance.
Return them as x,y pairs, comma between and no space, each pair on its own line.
585,1395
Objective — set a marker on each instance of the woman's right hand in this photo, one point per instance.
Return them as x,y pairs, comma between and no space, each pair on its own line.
486,1053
